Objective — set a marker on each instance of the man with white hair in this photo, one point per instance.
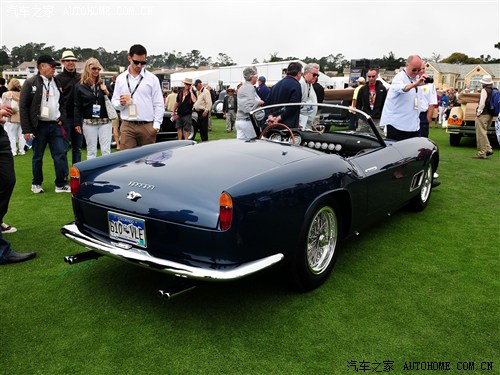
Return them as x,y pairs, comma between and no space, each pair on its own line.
308,112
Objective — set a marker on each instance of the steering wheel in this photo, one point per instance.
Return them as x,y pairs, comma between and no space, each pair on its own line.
277,136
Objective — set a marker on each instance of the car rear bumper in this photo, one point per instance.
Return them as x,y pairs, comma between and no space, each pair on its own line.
142,258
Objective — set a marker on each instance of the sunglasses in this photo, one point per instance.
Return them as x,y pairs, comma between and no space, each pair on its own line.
94,68
315,74
416,70
371,76
137,62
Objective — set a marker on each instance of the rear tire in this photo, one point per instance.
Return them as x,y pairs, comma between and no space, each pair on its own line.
318,246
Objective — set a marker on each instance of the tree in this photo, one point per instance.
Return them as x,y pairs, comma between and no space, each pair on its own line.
4,56
461,58
255,61
29,52
390,62
224,60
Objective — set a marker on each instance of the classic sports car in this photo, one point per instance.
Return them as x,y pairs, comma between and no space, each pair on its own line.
168,130
222,210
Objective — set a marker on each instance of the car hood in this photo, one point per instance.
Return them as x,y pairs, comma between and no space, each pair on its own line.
184,184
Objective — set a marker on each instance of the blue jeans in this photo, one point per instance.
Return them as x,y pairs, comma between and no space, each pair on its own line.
5,249
49,132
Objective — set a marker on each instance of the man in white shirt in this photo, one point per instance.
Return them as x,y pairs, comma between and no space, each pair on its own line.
401,110
308,112
139,99
427,98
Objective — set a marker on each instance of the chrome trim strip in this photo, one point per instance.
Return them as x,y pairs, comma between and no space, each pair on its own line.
144,259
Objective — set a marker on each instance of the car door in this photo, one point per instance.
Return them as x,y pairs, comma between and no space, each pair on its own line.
382,170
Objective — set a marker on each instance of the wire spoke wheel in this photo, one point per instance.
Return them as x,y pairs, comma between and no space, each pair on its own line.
321,240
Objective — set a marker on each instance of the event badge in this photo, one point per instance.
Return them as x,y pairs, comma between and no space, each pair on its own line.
96,111
45,112
415,103
132,110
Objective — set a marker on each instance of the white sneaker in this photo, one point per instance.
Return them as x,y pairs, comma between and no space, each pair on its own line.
63,189
435,175
6,228
36,189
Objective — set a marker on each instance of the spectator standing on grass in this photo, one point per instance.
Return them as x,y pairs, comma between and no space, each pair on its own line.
308,112
371,99
229,107
443,106
7,173
139,99
42,119
170,100
248,100
484,119
115,123
90,109
13,124
182,114
69,77
202,106
353,117
426,100
400,114
7,183
287,90
262,89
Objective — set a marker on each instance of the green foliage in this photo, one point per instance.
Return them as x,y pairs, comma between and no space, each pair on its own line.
417,287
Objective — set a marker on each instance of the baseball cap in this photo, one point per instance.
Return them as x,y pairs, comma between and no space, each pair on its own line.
48,60
197,82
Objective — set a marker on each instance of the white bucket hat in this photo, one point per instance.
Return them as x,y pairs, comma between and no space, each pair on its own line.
486,80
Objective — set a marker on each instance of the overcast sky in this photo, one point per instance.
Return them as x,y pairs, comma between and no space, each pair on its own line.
245,30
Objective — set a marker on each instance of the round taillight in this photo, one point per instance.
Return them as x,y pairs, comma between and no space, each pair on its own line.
225,211
74,180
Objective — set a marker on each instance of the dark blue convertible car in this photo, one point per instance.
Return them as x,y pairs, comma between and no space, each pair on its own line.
222,210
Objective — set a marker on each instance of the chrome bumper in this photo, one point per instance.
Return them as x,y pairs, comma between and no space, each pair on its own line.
144,259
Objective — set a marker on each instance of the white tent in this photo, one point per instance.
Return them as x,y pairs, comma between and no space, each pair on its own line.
210,77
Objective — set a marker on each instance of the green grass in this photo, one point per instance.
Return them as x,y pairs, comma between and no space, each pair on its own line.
417,287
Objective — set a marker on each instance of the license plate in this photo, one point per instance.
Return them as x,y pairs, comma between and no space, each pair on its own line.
127,229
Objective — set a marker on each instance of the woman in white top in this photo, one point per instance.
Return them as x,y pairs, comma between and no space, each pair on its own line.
248,100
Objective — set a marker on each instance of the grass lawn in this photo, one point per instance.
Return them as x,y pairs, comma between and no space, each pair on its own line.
416,288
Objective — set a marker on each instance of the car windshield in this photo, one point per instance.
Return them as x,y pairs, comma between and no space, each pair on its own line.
332,128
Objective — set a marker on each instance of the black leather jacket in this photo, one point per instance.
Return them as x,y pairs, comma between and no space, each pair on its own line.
85,98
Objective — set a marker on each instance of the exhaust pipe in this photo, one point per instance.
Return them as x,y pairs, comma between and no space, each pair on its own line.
82,257
176,290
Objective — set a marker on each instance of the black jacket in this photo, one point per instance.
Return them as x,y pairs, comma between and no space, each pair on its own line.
363,101
225,104
85,98
31,100
68,81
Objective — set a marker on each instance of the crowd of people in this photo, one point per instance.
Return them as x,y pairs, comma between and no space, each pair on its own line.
60,110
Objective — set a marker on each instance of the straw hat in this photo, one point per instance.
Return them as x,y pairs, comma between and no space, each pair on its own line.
486,80
188,81
68,55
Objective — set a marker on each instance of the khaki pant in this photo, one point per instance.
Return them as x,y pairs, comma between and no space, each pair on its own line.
134,135
483,122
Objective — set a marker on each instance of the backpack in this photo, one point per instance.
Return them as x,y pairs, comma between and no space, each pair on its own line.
494,107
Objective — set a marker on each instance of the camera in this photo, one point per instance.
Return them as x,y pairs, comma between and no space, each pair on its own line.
429,80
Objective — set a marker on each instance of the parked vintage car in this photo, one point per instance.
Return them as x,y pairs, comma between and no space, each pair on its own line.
461,120
168,130
222,210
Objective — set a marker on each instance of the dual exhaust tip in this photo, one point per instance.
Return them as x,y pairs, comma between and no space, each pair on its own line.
171,292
